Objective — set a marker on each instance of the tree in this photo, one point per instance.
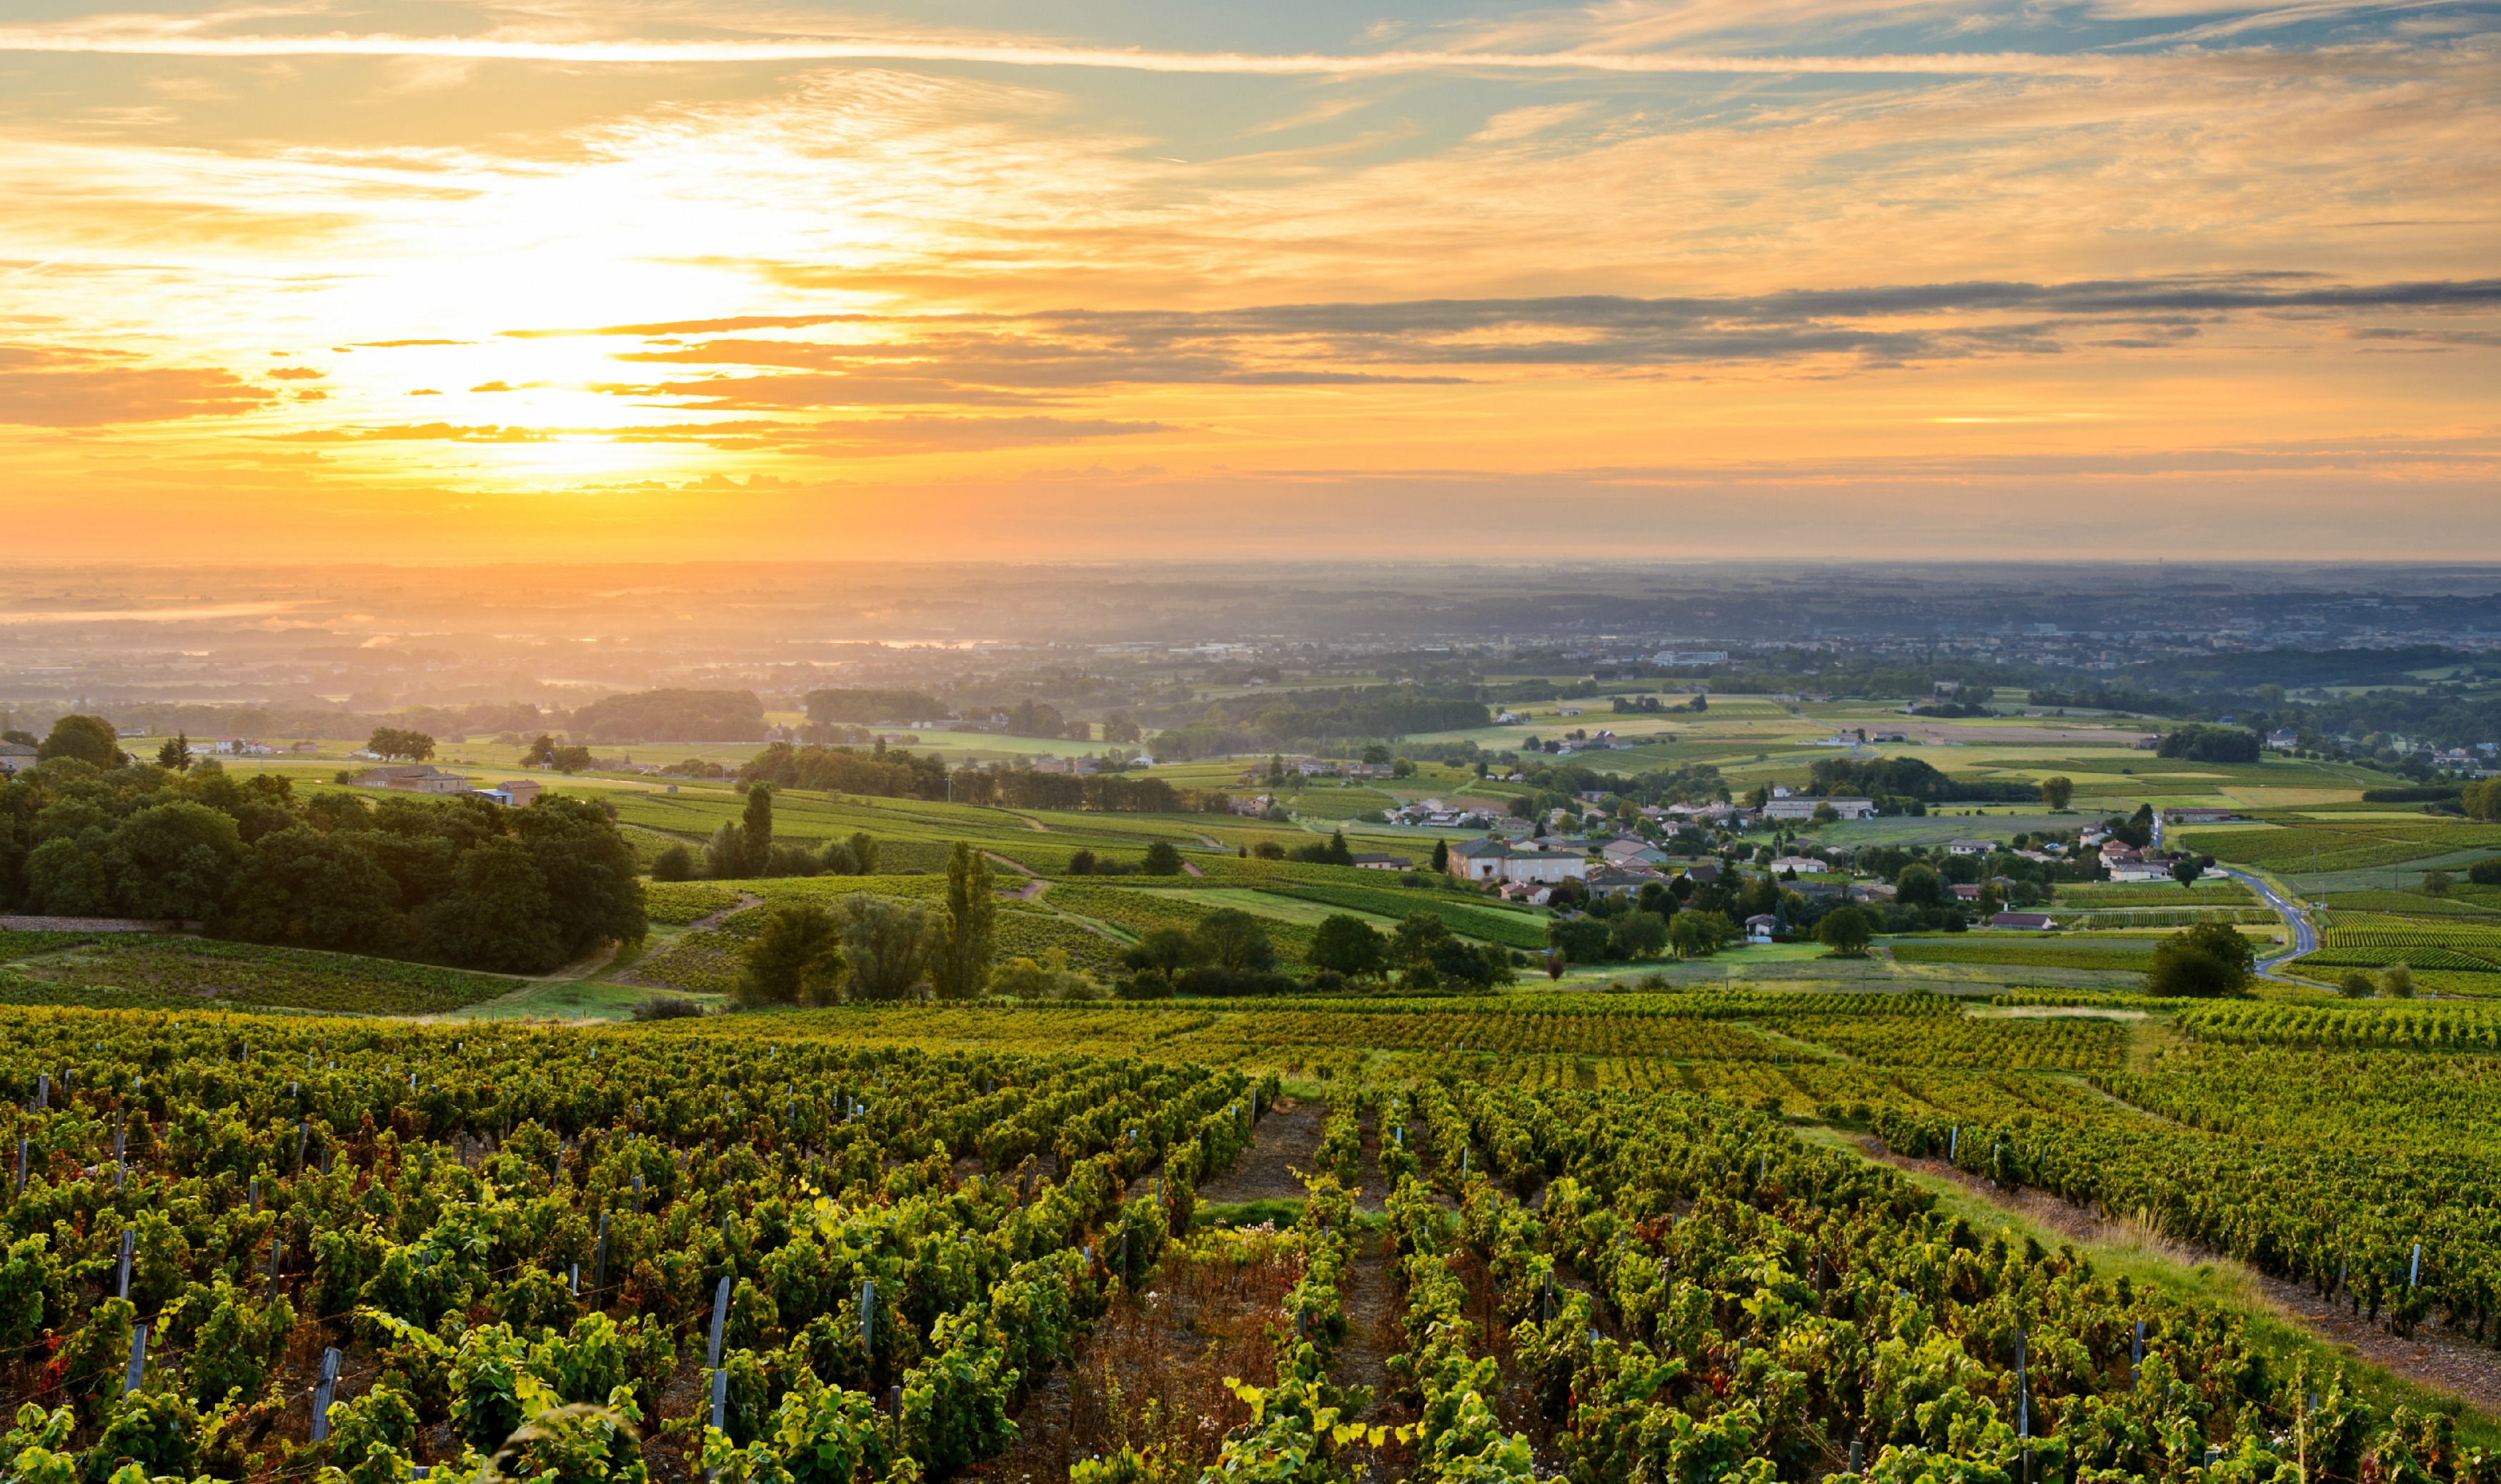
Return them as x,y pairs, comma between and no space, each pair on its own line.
1235,941
595,894
796,960
88,739
755,826
1416,936
960,967
2186,870
1162,859
2482,801
1579,939
1346,944
2204,962
1166,951
2397,981
392,741
2485,872
1441,857
2057,792
174,861
1920,886
864,851
1846,931
1637,934
2437,883
497,914
1699,934
1338,854
175,756
674,864
1081,862
318,890
1825,814
2356,985
887,942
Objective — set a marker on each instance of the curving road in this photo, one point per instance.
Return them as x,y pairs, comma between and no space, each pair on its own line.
2303,938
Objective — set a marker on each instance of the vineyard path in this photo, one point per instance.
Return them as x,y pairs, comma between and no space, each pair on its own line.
712,920
2449,1365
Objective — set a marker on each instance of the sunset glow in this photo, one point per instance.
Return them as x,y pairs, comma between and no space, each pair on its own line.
1637,278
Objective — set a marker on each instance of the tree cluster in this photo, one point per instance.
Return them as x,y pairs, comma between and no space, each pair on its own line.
400,742
1422,955
874,947
459,882
672,715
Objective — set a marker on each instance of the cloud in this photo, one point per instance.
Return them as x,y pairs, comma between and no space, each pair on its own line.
296,374
836,438
395,345
989,359
67,387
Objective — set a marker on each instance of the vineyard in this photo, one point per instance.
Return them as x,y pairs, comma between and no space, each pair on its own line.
146,970
780,1248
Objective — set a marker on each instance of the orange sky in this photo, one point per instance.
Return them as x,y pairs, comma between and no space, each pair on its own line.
1802,276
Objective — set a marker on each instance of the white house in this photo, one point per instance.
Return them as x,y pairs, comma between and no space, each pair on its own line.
1494,860
1970,846
14,756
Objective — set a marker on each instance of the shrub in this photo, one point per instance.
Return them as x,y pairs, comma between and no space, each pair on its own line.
674,864
667,1007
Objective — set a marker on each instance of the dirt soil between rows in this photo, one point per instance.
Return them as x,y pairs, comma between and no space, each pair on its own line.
2451,1365
1287,1135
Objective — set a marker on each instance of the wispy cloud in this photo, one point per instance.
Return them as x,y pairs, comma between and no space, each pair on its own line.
62,386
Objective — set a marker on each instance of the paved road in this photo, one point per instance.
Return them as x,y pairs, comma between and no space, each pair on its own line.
2303,938
2300,934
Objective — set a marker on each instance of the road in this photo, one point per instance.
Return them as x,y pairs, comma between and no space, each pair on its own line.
2304,939
2300,934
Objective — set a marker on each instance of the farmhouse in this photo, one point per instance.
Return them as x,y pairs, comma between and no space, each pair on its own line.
14,756
2029,922
1970,846
1495,860
513,794
1385,862
2196,816
413,778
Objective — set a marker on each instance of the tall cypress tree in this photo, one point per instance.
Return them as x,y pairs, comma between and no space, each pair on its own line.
960,969
755,832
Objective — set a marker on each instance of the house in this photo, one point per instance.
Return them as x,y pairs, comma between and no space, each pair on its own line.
1679,657
1495,860
517,794
1966,891
1871,892
1970,846
2200,815
1385,862
1529,892
14,757
1760,927
413,778
1800,807
2029,922
1703,872
1796,863
2141,870
1479,860
2283,741
1632,852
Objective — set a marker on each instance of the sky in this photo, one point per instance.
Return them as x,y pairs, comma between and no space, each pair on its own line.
433,279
